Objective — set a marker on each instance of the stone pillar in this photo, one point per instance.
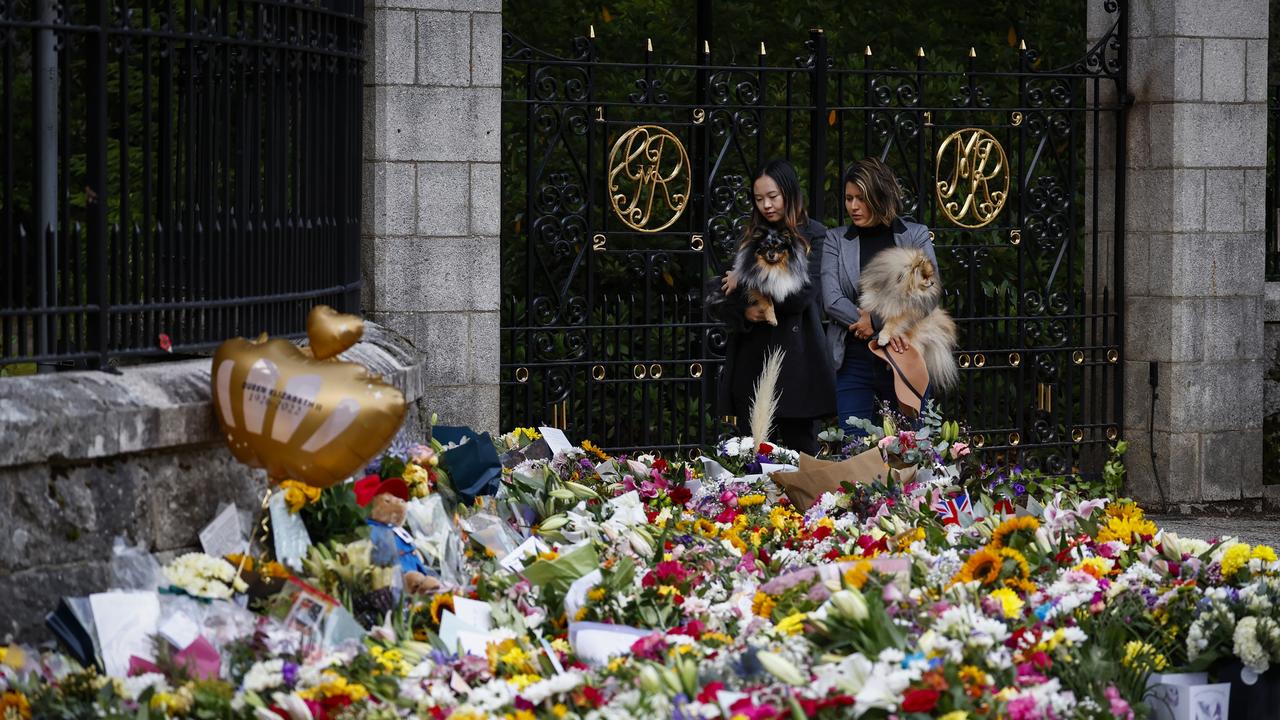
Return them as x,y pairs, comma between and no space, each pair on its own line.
1194,243
430,251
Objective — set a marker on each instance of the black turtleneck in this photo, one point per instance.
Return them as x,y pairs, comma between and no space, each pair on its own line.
871,241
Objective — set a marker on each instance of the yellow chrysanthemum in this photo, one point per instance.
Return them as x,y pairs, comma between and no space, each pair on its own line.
595,594
1125,510
418,479
1236,557
751,500
559,710
762,604
1001,536
334,685
515,656
717,637
856,576
1010,604
1264,553
1128,530
523,680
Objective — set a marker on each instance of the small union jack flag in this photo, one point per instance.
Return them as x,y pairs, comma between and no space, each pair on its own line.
950,509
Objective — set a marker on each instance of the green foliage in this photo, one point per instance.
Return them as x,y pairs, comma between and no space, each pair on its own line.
334,516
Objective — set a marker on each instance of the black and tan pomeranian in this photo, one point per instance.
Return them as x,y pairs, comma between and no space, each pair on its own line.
770,266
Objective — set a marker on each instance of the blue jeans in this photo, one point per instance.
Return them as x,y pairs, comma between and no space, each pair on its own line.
862,383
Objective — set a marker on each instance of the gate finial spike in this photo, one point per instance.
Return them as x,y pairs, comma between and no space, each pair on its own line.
762,47
648,42
973,53
867,52
706,47
591,31
920,52
1022,44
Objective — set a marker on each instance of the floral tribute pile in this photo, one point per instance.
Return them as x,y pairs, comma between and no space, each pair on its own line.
594,586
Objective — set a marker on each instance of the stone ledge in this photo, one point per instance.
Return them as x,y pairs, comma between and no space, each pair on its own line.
78,416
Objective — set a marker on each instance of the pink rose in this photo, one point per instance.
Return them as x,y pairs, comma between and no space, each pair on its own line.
959,449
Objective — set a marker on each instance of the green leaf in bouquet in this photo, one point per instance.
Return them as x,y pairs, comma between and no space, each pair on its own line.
560,573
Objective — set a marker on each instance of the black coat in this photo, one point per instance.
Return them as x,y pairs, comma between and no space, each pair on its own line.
808,381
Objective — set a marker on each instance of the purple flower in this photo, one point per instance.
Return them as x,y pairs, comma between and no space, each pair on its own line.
1019,489
289,672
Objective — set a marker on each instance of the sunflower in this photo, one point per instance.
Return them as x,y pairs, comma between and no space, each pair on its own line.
14,704
592,449
1000,537
983,565
1023,577
439,603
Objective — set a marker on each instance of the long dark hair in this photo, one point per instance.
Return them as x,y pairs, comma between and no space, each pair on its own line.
794,217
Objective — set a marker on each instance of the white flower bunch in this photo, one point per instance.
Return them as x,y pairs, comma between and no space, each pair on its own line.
264,676
204,576
1256,641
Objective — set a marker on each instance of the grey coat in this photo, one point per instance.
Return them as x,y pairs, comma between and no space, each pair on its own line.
841,266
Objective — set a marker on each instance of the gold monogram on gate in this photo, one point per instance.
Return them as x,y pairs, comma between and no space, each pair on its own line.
973,189
649,164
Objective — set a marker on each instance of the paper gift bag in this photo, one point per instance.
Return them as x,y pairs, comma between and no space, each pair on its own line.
816,477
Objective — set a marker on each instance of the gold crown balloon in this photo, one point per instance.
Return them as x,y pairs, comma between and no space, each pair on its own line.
300,413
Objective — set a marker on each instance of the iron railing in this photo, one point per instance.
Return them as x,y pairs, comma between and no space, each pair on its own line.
604,330
174,173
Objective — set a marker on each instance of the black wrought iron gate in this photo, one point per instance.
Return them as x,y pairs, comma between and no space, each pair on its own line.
633,179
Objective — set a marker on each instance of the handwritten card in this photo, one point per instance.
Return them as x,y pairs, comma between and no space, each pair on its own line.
224,535
556,440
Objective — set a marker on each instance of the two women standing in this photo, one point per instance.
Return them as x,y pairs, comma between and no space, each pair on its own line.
823,371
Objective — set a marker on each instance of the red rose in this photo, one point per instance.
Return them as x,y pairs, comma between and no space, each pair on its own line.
920,700
680,495
765,448
710,693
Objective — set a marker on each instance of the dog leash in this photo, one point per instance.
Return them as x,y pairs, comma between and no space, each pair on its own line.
889,356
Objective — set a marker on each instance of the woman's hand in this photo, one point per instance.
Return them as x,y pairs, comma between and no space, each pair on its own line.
898,344
861,329
754,313
730,283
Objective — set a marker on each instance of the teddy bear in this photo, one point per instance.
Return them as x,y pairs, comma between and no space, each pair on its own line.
387,501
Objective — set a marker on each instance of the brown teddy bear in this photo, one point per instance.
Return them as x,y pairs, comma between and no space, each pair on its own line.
387,501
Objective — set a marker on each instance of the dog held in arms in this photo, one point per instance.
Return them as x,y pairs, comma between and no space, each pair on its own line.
770,266
901,286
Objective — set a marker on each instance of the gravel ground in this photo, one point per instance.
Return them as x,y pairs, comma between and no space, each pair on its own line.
1253,530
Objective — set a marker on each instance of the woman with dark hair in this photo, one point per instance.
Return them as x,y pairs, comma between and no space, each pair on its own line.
807,381
871,198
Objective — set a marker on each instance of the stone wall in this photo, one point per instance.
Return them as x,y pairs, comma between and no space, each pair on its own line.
89,456
431,187
1194,243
